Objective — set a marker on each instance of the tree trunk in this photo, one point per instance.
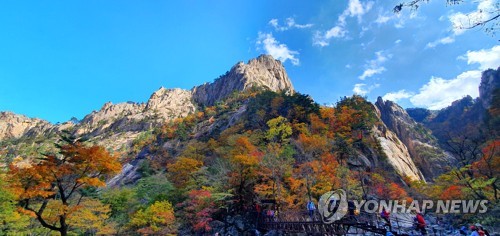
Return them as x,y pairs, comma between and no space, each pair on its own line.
64,226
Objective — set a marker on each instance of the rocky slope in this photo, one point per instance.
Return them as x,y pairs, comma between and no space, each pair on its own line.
397,151
15,126
264,72
418,140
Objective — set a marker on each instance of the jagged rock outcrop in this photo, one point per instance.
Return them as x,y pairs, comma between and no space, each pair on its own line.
15,126
490,81
396,151
170,103
108,115
167,104
163,105
264,72
422,146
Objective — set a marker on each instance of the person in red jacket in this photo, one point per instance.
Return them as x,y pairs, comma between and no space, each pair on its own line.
420,222
386,216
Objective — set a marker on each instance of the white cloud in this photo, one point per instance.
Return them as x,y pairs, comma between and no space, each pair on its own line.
439,93
445,40
274,23
354,9
276,49
381,19
289,24
371,72
323,39
335,32
374,66
461,21
486,58
398,41
396,96
319,39
362,89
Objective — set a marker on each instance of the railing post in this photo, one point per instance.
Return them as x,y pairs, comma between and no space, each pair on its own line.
397,224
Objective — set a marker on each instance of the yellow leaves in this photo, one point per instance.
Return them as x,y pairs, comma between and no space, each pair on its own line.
92,215
156,219
182,170
245,160
94,182
279,129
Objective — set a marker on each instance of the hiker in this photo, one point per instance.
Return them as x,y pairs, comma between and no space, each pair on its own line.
474,231
351,208
480,230
463,230
311,208
386,217
420,222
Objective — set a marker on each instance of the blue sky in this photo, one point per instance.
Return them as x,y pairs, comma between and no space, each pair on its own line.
60,59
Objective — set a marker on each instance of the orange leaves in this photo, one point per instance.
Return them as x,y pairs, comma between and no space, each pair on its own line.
452,192
386,189
317,125
85,161
30,182
313,145
245,155
395,191
96,182
489,164
77,167
182,170
80,165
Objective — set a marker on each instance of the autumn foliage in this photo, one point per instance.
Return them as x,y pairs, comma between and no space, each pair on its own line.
60,177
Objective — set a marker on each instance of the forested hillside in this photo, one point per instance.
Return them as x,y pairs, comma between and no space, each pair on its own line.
132,169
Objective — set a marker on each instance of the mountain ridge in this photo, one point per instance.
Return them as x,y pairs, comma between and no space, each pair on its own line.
411,148
164,104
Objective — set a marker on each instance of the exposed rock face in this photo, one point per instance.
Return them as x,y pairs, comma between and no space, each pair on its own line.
396,151
107,116
265,72
15,126
170,103
490,81
422,146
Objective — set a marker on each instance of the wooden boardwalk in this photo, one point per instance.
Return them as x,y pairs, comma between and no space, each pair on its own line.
300,222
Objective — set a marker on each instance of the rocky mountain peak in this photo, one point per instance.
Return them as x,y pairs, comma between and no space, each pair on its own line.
170,103
15,126
490,81
263,71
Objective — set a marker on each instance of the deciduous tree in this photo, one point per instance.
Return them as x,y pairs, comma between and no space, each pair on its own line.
60,178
